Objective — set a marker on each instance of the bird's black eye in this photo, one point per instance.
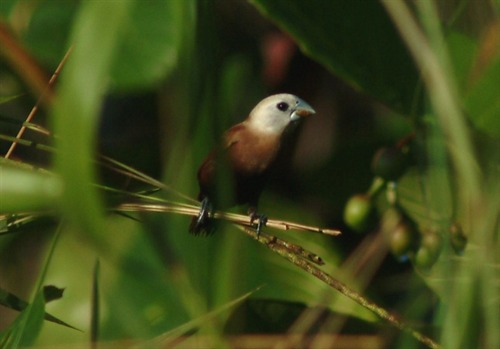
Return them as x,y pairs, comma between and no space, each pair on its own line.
282,106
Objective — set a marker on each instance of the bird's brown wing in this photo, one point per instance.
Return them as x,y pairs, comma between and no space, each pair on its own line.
206,172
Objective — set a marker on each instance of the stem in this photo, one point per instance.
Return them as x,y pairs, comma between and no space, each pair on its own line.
344,289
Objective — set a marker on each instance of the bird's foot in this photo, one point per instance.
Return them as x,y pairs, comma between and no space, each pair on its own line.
205,211
261,221
200,224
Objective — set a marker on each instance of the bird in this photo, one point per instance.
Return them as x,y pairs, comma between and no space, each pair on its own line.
247,153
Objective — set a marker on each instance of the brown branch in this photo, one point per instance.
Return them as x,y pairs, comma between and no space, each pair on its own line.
45,96
21,61
342,288
239,219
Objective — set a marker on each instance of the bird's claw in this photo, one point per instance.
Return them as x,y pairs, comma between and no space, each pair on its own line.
205,210
261,222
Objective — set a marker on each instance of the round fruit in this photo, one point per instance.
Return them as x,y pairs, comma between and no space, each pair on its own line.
389,163
359,212
424,258
433,241
429,250
402,239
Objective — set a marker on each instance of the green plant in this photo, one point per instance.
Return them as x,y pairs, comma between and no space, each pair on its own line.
434,65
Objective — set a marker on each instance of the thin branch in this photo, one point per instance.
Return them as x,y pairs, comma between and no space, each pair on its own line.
16,55
131,172
294,253
291,248
239,219
175,207
46,94
305,265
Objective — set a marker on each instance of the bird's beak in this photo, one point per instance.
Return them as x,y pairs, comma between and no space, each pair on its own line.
302,109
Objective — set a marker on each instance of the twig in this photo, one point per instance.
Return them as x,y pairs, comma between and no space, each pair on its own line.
305,265
181,208
44,95
293,248
131,172
239,219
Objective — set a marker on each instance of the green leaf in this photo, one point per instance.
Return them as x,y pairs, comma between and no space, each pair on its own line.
483,102
47,32
6,99
25,329
23,190
354,40
49,292
97,32
149,49
462,49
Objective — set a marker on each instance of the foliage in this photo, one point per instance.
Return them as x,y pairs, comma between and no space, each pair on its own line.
432,68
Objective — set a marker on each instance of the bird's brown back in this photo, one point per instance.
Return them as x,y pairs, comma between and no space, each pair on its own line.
248,156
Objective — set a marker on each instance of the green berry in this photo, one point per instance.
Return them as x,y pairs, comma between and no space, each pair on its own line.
359,213
402,239
429,250
424,258
433,241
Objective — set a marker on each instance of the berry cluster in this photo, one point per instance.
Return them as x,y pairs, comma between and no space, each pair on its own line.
406,239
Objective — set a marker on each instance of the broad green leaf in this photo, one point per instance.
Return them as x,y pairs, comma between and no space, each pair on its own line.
354,40
97,32
23,190
48,30
149,49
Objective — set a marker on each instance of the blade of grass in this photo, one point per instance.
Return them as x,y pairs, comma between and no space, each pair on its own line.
11,301
27,190
24,331
96,34
5,99
441,93
28,125
170,337
94,317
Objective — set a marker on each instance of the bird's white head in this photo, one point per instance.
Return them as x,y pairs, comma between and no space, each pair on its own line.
273,114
